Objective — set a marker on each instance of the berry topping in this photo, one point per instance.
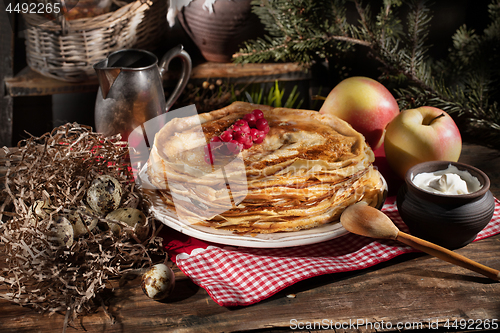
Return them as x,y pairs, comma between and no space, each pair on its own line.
261,124
250,119
258,113
234,147
227,135
245,132
241,126
215,143
247,142
240,136
257,136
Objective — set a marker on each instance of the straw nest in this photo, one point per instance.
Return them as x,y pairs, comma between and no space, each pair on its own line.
59,167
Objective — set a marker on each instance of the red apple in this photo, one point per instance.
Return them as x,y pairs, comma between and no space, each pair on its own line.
419,135
365,104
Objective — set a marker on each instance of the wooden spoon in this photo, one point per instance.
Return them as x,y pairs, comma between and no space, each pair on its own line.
365,220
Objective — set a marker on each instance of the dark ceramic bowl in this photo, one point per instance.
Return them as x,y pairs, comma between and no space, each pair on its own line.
451,221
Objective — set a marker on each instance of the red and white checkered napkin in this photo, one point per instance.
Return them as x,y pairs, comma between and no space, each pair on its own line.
243,276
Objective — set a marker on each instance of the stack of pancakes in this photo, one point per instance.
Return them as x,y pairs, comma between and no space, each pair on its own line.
309,168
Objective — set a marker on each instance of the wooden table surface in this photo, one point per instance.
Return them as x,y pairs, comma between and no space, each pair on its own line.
409,292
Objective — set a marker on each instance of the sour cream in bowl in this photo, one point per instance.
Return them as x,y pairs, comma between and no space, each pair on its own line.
449,181
447,203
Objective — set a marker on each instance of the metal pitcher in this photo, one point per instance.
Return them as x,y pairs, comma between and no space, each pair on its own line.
131,90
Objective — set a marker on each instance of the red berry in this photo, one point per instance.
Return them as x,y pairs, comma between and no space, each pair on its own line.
240,122
241,126
245,130
227,135
234,147
250,119
240,136
215,143
256,135
258,113
266,130
245,139
258,138
247,143
261,124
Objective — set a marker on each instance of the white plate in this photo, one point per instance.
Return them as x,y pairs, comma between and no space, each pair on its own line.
273,240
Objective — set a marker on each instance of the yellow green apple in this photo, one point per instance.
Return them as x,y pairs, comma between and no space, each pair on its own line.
364,103
420,135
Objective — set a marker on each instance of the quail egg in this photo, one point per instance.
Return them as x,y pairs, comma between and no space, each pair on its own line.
82,221
104,194
131,216
62,232
158,282
39,210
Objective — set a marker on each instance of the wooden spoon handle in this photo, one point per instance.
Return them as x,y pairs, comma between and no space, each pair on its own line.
447,255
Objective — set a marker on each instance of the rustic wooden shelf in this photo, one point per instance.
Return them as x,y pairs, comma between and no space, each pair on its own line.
30,83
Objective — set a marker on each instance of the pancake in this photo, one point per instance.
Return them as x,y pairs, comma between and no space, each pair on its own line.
308,169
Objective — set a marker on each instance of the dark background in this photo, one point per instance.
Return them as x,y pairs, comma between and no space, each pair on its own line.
37,115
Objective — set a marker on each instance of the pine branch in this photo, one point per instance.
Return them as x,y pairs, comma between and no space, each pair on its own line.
418,19
464,85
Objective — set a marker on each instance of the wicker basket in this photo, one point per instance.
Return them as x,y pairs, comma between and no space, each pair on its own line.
67,50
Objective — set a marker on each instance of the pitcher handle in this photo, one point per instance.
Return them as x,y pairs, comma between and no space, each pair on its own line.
187,65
